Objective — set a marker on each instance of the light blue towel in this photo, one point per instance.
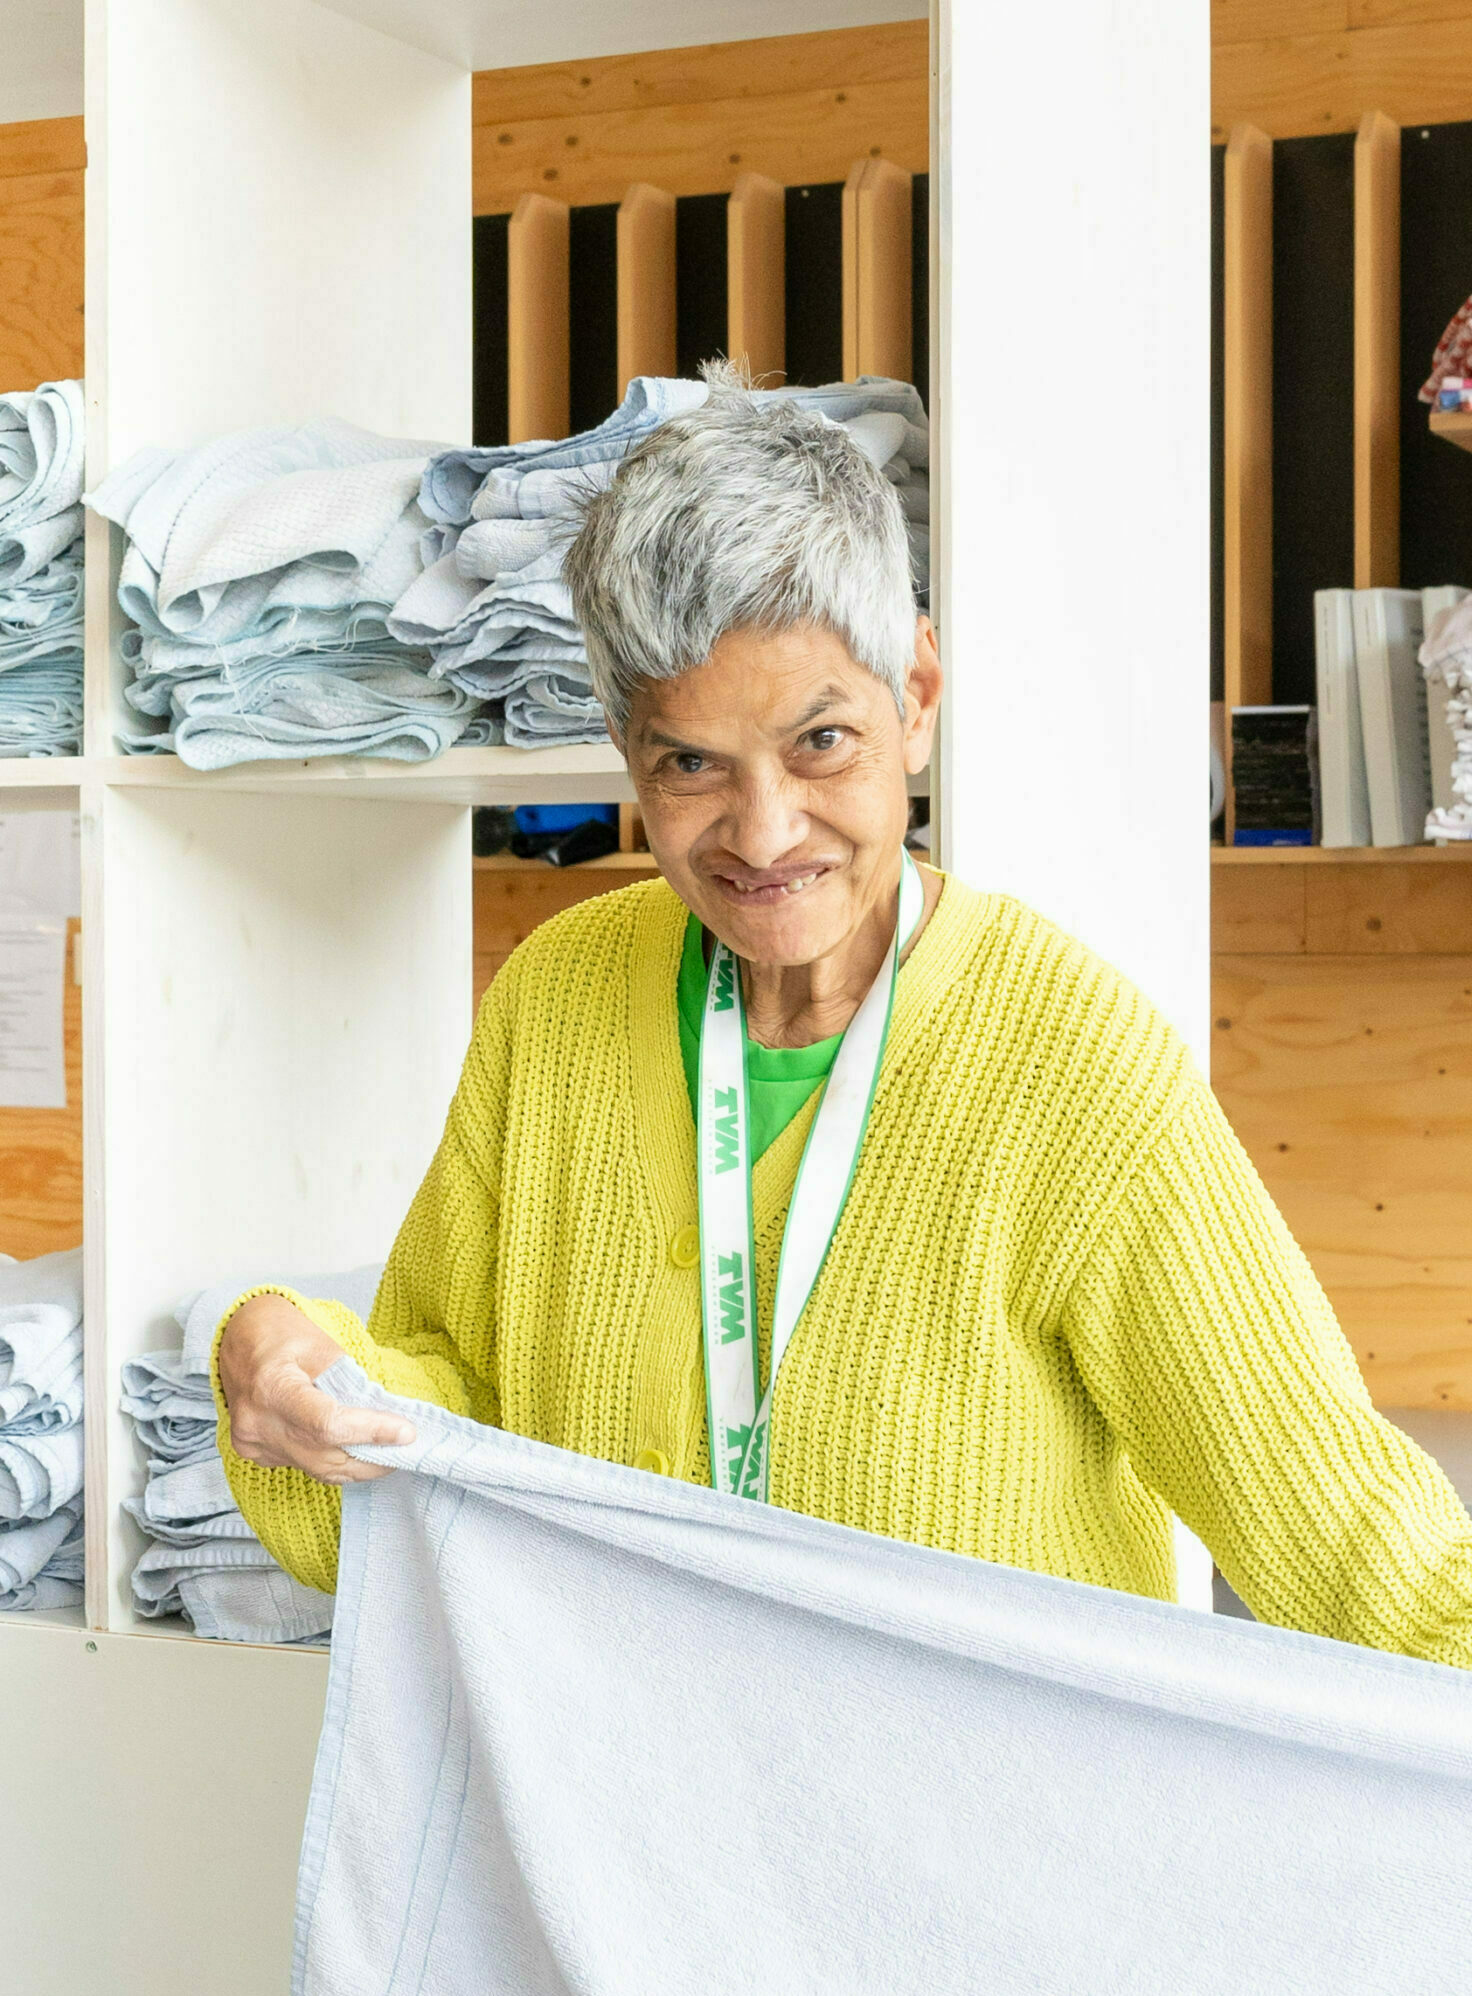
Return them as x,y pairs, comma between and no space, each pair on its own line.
41,1455
202,1560
590,1730
492,587
355,703
41,448
41,706
41,1563
42,445
234,537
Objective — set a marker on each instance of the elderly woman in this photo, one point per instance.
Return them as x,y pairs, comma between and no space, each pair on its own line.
828,1180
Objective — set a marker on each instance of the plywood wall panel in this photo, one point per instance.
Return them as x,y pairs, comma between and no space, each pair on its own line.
1388,910
1349,1081
1257,910
40,278
702,148
1416,72
835,60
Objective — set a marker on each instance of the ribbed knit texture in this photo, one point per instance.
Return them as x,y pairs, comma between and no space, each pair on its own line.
1059,1302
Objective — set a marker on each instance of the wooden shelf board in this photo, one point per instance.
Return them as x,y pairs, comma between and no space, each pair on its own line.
40,772
613,862
1453,424
1457,855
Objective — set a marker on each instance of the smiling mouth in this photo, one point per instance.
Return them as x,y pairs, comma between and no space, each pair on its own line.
766,893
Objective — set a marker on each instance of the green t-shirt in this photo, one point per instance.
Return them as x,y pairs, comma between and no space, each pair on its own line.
779,1080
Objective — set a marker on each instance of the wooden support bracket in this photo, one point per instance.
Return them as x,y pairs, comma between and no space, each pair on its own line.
877,315
1377,353
756,277
538,384
1247,422
646,283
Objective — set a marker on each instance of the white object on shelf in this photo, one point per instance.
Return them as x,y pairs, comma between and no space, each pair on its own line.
1344,795
1387,636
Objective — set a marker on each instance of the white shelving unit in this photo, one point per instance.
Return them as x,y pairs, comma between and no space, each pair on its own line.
277,958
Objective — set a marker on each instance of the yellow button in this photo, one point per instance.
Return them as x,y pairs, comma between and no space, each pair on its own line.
654,1460
685,1247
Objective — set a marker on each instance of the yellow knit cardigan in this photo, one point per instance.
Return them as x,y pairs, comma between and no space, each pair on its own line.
1059,1302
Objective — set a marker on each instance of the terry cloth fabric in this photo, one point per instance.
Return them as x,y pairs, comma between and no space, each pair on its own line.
492,606
203,1561
41,448
259,573
1446,655
1059,1304
598,1731
41,1450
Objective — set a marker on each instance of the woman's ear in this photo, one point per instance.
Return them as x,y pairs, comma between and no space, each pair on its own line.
923,685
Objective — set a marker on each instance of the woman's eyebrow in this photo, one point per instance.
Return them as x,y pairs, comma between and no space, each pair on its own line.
831,696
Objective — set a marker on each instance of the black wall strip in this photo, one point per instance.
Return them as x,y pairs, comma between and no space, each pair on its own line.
488,312
701,331
1313,394
815,284
920,282
593,314
1218,163
1436,277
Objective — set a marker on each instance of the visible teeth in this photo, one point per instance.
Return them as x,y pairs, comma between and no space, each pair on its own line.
788,887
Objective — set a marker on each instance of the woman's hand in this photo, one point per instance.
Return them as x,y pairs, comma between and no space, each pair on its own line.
270,1354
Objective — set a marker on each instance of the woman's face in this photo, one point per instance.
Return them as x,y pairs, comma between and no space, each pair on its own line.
772,782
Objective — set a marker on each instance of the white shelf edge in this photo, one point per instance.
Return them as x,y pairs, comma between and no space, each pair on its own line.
582,775
45,1618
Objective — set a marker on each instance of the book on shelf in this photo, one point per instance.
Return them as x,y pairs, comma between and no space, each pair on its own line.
1343,788
1275,776
1441,741
1392,688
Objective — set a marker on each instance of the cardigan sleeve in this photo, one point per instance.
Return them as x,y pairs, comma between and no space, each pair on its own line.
431,1334
1206,1341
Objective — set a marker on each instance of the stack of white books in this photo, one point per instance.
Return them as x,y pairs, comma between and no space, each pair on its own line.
1386,748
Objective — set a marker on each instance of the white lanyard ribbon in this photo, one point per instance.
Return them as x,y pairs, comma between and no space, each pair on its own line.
739,1426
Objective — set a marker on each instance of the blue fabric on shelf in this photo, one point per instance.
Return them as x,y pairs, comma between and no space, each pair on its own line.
203,1561
42,444
491,605
259,574
41,1563
41,1452
41,449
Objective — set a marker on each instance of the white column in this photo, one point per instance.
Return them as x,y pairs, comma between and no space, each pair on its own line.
1071,409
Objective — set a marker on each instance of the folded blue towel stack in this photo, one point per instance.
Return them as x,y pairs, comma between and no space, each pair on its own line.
41,1432
492,608
325,591
258,578
203,1561
41,450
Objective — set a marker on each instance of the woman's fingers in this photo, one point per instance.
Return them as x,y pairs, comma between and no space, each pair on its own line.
288,1423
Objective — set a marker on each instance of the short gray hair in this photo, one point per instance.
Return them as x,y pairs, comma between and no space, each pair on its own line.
746,513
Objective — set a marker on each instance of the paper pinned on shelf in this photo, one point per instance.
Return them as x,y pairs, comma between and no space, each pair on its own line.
40,868
32,1049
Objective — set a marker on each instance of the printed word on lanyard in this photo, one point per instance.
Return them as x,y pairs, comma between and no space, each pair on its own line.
740,1414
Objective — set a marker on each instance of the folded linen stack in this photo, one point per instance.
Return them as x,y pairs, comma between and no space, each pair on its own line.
41,450
259,575
203,1560
493,608
41,1432
1446,656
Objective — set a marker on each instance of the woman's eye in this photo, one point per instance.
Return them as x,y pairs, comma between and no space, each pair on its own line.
689,764
825,738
